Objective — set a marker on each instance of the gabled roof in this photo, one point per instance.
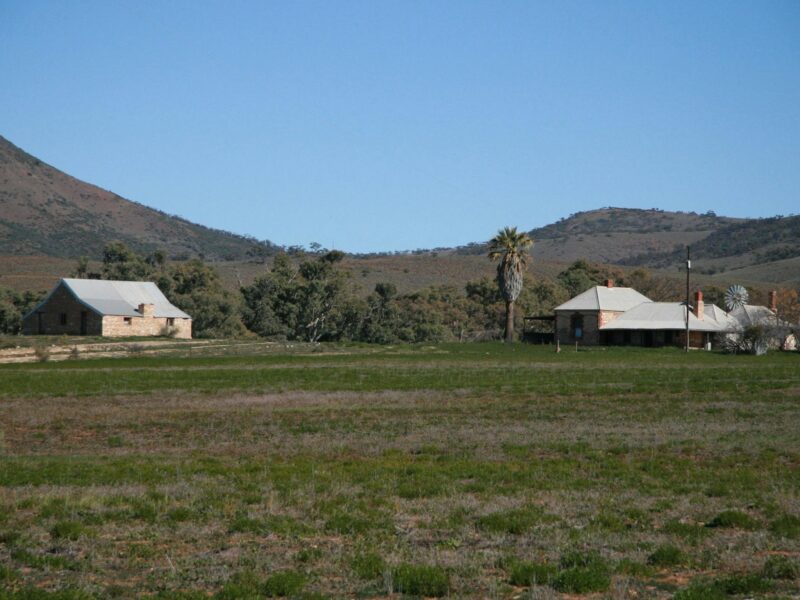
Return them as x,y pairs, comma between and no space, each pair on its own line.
714,313
601,297
750,314
119,298
666,315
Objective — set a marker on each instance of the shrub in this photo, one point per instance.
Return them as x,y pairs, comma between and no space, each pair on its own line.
733,519
701,589
347,523
583,572
666,556
41,352
421,580
179,513
244,524
515,521
744,584
7,573
283,583
33,593
9,537
582,580
307,555
419,486
576,558
525,573
368,565
781,567
68,530
688,531
787,526
633,568
242,586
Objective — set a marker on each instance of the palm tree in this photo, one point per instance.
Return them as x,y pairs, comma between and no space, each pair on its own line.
511,248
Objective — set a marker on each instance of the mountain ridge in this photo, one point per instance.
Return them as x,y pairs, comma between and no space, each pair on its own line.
46,211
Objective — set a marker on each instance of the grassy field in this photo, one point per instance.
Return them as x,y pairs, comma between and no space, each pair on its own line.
473,470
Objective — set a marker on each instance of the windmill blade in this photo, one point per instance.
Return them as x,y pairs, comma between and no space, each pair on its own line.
736,296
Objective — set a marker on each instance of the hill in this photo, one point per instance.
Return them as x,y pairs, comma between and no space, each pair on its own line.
615,235
759,249
737,245
44,211
48,218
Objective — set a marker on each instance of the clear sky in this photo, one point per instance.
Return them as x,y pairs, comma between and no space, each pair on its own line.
381,125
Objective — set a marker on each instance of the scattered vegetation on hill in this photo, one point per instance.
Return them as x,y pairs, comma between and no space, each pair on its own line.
314,297
45,211
767,240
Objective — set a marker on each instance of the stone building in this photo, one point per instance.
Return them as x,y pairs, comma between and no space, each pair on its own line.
664,324
613,316
581,318
107,308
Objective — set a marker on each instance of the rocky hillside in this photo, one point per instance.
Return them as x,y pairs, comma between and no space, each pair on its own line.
657,239
46,212
617,235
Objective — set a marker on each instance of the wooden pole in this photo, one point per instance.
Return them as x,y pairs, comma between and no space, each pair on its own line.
688,271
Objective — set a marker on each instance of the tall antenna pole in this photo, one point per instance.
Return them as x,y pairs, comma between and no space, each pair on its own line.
688,271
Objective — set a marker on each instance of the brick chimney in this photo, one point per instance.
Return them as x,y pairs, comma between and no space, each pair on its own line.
609,283
147,310
699,305
773,301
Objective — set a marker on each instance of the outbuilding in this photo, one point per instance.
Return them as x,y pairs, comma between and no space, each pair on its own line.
107,308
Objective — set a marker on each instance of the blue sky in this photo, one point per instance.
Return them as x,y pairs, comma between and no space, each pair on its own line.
382,125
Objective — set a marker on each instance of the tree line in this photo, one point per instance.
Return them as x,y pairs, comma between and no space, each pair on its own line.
312,297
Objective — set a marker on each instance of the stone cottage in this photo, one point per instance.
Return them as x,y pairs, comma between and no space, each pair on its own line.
581,318
107,308
618,316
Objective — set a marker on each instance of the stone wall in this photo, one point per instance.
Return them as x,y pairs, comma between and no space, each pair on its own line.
61,315
591,331
114,326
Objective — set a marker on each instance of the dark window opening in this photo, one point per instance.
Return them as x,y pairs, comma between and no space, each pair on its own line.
63,318
170,322
576,326
127,320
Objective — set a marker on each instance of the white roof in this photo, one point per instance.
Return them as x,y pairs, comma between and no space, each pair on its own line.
121,298
714,313
601,297
750,314
667,315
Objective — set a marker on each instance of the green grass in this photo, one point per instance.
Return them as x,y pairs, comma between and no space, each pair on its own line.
421,580
525,573
667,556
361,472
733,519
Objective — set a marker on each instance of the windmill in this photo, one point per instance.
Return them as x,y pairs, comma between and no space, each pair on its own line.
735,297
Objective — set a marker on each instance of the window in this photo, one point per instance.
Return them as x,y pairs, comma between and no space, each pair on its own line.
63,318
576,326
170,322
127,320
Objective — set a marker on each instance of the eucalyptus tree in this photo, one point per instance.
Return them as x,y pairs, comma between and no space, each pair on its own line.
510,247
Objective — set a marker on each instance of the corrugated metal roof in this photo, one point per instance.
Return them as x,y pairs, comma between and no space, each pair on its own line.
664,315
122,298
601,297
751,314
714,313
